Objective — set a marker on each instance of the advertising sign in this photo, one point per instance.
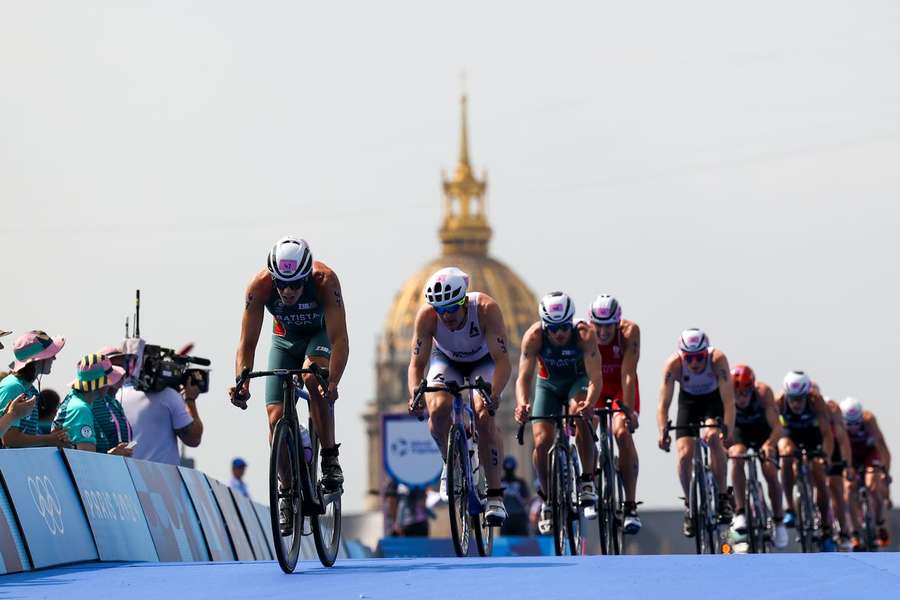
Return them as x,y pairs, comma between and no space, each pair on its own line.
232,520
112,506
48,507
410,455
170,513
211,519
251,526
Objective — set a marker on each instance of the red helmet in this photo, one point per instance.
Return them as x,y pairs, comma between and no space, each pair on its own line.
743,376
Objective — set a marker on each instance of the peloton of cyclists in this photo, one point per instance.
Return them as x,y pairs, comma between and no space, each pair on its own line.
570,373
807,426
756,426
705,394
619,341
461,335
870,457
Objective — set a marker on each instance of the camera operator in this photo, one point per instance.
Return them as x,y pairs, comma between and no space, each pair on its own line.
161,411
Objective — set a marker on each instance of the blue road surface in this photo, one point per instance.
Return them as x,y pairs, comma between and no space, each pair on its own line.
774,576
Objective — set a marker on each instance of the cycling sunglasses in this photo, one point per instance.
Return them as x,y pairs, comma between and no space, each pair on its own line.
450,308
694,357
295,285
553,328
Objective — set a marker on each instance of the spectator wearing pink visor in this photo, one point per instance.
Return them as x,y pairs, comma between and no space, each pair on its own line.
94,374
35,352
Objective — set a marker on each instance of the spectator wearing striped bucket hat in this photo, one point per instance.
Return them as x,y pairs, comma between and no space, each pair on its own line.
94,374
109,416
34,352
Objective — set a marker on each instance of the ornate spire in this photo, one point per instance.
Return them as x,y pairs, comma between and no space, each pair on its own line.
465,229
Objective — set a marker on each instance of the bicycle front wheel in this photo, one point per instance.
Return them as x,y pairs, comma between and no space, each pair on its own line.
326,527
558,503
805,517
285,504
458,491
576,543
484,533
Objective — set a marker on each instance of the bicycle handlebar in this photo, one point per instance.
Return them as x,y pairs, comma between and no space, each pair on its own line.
520,434
481,386
320,373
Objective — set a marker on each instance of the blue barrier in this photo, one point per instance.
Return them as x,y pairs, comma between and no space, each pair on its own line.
211,520
265,523
112,506
173,522
241,543
13,556
252,527
48,508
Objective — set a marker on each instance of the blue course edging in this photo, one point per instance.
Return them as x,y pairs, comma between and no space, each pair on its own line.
60,507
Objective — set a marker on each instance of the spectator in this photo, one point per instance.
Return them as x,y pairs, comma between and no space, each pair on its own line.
35,352
407,513
48,403
92,376
18,408
238,467
160,419
3,334
109,416
515,497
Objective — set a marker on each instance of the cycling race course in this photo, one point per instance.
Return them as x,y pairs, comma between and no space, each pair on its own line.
820,576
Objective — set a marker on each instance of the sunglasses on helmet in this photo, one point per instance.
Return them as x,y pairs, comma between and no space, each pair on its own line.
554,327
295,285
450,308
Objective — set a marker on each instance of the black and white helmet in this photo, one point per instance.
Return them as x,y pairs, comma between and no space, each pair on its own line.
556,308
446,286
290,259
693,340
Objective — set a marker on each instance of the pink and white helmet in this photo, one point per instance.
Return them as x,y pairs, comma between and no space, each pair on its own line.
446,286
693,340
852,410
290,260
605,310
556,308
797,383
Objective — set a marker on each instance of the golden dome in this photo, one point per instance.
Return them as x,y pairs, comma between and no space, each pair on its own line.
464,236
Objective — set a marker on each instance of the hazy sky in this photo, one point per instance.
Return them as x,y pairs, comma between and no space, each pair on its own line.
729,167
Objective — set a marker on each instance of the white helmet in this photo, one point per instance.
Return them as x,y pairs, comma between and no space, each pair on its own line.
693,340
556,308
797,383
605,310
290,260
852,410
446,286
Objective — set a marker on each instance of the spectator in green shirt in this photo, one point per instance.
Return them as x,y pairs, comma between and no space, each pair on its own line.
92,377
109,416
35,352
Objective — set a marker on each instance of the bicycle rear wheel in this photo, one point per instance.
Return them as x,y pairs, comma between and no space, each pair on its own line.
603,504
458,491
868,522
617,513
558,504
484,533
285,490
327,526
805,517
573,529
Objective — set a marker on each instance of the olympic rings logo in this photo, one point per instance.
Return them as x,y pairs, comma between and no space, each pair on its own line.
46,500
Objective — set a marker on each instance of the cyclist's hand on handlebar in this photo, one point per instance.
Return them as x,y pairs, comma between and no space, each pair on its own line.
332,394
665,442
239,398
582,406
522,411
416,409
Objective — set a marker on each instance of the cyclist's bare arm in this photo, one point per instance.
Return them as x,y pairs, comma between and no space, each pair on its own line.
631,334
884,454
726,387
593,363
671,374
490,315
258,292
532,342
329,294
767,397
423,333
824,418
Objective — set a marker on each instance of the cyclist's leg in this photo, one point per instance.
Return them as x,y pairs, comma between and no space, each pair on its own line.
786,448
690,411
873,482
770,473
490,442
738,474
285,353
583,438
440,404
547,403
628,458
838,502
318,351
823,498
853,508
685,447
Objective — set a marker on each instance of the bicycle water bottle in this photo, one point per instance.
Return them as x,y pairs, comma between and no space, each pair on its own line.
307,444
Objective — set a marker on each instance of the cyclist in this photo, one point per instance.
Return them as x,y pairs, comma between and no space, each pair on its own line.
304,298
839,471
705,392
458,335
869,454
570,372
619,341
806,424
756,426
